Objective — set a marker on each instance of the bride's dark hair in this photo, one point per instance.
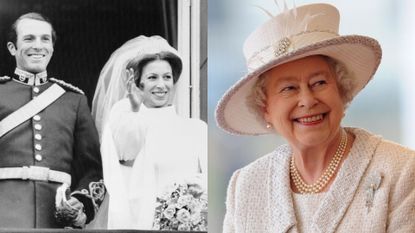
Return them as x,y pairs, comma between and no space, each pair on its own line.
138,64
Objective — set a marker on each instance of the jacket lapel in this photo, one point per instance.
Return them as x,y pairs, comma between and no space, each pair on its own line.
343,189
280,199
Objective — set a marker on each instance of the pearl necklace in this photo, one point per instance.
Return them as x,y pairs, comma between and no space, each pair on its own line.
317,186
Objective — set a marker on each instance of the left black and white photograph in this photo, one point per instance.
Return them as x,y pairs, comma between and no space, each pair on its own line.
103,115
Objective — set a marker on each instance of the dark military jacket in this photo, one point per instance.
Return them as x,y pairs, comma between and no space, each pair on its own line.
61,137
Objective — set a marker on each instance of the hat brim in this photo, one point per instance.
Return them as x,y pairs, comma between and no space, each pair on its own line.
360,54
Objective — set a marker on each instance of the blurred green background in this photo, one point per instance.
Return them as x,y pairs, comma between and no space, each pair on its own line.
384,107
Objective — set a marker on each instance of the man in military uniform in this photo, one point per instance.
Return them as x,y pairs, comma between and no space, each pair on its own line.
50,165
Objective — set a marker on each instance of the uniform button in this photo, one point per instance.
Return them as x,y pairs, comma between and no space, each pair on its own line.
38,147
38,126
38,136
38,157
36,89
36,118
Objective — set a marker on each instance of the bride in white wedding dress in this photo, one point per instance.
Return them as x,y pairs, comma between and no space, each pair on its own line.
145,145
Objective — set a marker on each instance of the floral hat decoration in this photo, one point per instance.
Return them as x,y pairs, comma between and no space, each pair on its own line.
293,34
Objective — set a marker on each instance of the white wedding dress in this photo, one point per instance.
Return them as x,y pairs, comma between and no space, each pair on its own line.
166,148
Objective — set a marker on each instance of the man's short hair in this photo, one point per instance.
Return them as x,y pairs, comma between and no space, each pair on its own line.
12,34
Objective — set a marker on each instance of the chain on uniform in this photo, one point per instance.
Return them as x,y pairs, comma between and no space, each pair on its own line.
67,85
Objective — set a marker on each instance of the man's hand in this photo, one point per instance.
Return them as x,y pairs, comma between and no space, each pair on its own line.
69,210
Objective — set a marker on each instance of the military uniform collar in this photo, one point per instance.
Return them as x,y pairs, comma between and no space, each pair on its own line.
27,78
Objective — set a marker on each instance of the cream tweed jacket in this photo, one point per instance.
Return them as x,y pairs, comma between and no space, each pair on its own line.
374,191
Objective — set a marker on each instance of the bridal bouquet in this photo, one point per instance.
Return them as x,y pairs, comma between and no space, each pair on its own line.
182,207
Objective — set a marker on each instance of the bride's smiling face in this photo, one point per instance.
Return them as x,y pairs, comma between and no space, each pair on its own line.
157,84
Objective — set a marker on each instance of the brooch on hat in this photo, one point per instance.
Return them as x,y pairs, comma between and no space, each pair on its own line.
282,46
291,25
371,187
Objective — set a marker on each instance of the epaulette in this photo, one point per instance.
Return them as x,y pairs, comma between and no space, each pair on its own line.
67,85
4,79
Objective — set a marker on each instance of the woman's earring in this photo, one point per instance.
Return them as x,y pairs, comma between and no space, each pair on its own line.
268,125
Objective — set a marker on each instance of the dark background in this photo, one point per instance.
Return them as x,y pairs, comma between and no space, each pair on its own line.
88,31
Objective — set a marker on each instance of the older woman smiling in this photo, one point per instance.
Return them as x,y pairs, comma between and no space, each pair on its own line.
305,106
302,75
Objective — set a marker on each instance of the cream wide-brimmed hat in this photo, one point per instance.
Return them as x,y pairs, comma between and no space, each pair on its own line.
296,33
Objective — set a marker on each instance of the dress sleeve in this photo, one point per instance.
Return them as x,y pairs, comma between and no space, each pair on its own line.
402,199
229,222
87,183
128,130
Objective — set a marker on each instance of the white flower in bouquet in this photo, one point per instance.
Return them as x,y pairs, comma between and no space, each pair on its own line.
195,218
184,227
183,216
185,200
169,212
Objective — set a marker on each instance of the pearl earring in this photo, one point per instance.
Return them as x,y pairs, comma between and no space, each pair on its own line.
268,126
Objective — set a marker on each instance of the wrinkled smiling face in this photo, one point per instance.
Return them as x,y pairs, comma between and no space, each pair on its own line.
34,47
303,101
157,79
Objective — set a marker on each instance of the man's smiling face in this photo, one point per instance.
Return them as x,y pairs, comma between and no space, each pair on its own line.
34,47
